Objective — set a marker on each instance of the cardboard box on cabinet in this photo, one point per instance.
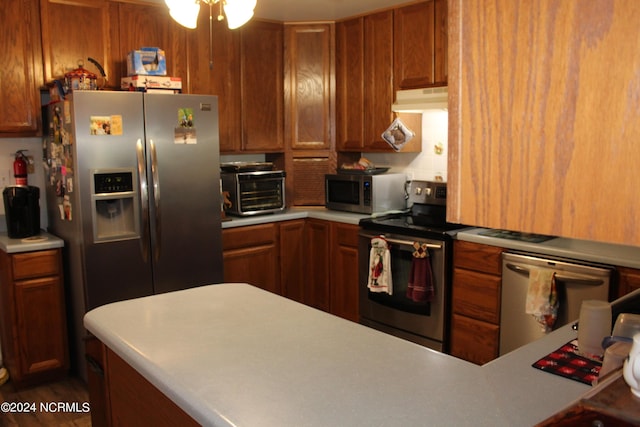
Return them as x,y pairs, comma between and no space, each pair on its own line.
147,61
143,83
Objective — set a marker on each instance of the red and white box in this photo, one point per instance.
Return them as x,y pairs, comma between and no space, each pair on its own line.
140,82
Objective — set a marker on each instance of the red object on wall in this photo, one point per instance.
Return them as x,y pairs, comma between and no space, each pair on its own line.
20,168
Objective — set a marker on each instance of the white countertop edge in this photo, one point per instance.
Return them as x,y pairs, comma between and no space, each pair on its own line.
584,250
295,213
12,246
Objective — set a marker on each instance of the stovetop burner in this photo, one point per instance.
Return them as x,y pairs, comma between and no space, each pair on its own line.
426,218
408,224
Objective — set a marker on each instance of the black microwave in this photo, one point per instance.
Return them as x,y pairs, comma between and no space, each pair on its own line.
364,193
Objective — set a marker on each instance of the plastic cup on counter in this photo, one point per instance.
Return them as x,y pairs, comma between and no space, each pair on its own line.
594,326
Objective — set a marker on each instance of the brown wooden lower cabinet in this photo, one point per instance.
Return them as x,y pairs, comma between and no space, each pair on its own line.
251,255
344,271
311,261
32,315
628,280
293,259
476,285
474,340
120,396
318,261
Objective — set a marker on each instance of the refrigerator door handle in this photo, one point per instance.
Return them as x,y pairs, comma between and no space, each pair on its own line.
144,200
156,197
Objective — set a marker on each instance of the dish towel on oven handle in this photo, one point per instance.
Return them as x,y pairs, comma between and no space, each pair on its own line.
542,298
380,266
420,287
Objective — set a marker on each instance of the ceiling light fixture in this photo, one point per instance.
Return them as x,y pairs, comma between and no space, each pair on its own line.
185,12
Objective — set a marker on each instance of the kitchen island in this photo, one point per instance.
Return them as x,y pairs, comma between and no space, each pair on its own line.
233,354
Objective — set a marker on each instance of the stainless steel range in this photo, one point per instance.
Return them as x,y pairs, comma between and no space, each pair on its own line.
418,247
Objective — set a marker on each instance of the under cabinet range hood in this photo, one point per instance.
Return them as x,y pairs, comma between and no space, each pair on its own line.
419,100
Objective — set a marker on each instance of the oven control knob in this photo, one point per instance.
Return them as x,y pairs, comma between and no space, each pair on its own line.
418,191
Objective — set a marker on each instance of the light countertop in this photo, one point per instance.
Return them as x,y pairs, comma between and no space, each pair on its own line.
295,213
584,250
604,253
215,349
39,242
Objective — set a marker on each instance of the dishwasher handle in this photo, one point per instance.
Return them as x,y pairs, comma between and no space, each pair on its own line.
562,277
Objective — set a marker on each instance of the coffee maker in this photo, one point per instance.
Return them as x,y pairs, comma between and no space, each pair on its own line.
22,210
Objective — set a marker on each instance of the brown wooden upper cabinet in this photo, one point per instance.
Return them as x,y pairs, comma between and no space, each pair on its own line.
214,68
539,142
377,54
420,45
262,99
21,69
75,31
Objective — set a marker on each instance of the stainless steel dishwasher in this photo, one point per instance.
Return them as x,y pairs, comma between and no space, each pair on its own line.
575,282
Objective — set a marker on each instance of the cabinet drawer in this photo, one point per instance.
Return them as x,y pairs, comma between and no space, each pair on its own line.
249,236
474,340
476,295
346,234
629,280
475,256
36,264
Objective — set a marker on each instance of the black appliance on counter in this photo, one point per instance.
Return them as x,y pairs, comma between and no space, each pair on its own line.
425,225
22,210
252,188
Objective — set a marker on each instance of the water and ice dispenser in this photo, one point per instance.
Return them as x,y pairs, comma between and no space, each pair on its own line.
115,205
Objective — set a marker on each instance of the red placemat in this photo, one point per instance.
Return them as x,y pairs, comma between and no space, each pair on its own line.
567,363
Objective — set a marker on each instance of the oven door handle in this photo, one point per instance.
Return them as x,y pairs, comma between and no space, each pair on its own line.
404,242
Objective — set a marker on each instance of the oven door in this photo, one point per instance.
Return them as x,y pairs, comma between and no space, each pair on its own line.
397,314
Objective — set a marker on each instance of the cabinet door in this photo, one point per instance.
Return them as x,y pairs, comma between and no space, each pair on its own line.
317,285
214,69
344,271
151,25
262,86
349,84
251,255
378,78
533,129
21,72
414,46
476,295
309,86
292,259
629,280
441,38
73,31
41,324
474,340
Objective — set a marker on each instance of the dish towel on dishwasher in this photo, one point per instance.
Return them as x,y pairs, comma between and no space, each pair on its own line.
420,288
542,297
380,266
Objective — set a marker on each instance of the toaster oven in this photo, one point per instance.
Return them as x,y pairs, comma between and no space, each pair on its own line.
254,192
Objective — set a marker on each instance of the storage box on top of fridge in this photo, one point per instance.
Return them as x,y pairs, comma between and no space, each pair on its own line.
149,61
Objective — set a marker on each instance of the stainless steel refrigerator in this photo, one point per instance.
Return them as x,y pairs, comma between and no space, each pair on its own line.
133,188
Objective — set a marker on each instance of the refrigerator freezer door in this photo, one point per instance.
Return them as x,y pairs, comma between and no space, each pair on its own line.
184,190
113,270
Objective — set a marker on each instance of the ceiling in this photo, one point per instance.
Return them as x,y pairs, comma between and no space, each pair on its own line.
316,10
